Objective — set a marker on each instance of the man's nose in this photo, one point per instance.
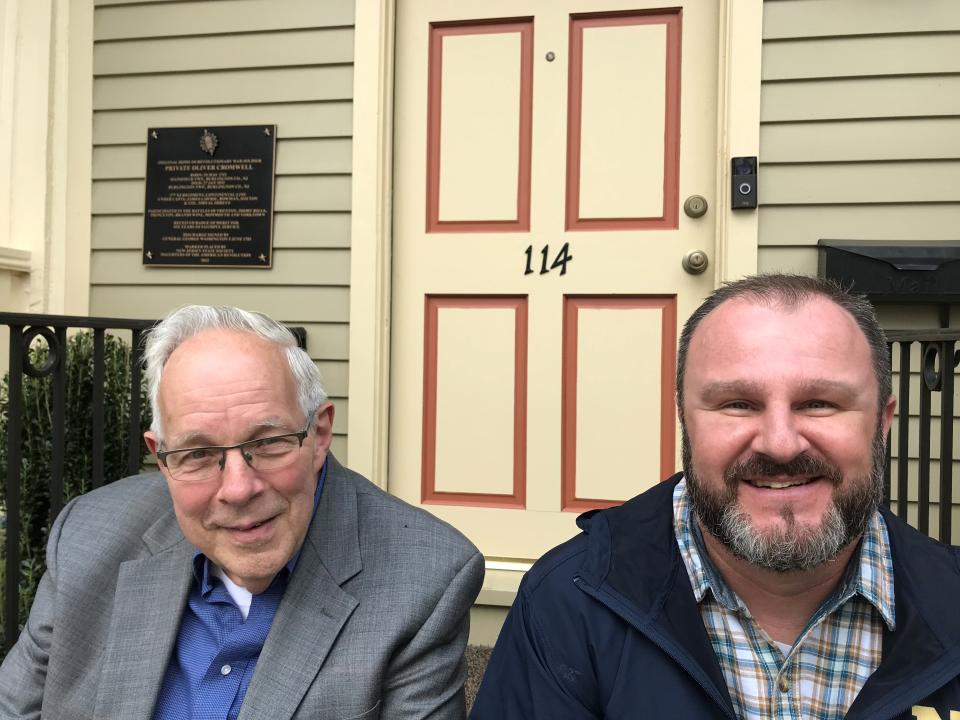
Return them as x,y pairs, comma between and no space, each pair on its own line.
238,480
780,434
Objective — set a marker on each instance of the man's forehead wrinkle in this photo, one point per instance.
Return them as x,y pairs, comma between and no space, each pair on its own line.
814,385
252,418
727,387
806,386
190,439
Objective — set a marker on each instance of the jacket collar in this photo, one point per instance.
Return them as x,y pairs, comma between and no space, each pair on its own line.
150,595
314,608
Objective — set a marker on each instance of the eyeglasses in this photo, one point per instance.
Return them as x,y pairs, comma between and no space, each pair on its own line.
202,464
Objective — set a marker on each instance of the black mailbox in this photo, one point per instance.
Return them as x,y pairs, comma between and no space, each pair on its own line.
886,271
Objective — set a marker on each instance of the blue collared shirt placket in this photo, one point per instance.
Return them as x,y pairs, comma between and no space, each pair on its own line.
216,652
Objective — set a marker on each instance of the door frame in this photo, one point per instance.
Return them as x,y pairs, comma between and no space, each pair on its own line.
738,133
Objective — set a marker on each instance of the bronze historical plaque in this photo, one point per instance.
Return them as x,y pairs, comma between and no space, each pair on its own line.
209,196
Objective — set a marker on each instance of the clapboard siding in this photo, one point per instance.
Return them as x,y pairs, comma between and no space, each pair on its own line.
201,52
803,225
293,304
295,120
216,17
860,125
864,56
786,258
98,3
838,18
209,63
844,183
223,87
861,140
860,98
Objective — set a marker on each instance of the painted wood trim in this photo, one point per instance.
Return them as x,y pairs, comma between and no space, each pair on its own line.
572,304
429,493
669,216
371,239
438,31
738,133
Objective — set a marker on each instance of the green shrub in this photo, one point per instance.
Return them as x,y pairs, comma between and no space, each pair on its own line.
37,445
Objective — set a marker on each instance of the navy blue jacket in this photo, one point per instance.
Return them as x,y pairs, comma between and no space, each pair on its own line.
606,626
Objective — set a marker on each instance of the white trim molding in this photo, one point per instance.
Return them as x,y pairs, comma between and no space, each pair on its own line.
13,260
370,239
46,134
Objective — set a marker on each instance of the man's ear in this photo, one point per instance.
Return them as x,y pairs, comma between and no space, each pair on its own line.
322,430
888,410
153,443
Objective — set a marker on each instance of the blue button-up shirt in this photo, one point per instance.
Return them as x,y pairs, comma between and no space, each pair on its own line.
216,650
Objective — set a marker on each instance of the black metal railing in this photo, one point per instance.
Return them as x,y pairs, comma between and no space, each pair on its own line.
934,376
24,329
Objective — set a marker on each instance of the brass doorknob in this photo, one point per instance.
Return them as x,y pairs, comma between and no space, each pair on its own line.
695,262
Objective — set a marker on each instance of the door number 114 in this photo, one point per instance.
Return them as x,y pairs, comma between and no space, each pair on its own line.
560,261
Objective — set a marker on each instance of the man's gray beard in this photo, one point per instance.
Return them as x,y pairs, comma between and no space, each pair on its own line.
791,547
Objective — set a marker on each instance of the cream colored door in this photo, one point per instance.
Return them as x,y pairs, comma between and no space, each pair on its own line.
543,151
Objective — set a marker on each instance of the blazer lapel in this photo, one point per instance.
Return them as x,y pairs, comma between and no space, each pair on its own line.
314,608
149,601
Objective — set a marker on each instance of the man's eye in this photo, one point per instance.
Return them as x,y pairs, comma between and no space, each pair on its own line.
737,405
272,445
267,442
199,455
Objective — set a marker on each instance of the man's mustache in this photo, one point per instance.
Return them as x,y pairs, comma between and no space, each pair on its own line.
765,466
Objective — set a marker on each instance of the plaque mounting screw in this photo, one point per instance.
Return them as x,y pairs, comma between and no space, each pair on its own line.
153,134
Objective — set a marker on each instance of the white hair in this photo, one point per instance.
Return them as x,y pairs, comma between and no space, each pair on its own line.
182,324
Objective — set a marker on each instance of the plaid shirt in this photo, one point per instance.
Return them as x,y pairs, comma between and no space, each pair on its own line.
821,675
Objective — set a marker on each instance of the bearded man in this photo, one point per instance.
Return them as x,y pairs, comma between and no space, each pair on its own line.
764,581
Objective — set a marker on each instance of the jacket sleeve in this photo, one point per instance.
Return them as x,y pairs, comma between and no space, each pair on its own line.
525,679
24,671
425,679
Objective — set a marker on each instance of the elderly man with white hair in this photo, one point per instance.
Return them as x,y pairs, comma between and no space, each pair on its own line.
253,576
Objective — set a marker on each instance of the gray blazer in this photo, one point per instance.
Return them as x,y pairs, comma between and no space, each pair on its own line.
372,625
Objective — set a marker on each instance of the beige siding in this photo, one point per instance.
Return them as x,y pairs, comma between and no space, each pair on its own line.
159,63
860,125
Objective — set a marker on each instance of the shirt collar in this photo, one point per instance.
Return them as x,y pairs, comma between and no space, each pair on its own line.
870,575
203,572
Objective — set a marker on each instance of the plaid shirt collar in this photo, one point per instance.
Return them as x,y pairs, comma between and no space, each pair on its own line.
871,576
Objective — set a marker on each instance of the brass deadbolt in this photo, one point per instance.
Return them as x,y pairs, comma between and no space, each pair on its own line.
695,206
